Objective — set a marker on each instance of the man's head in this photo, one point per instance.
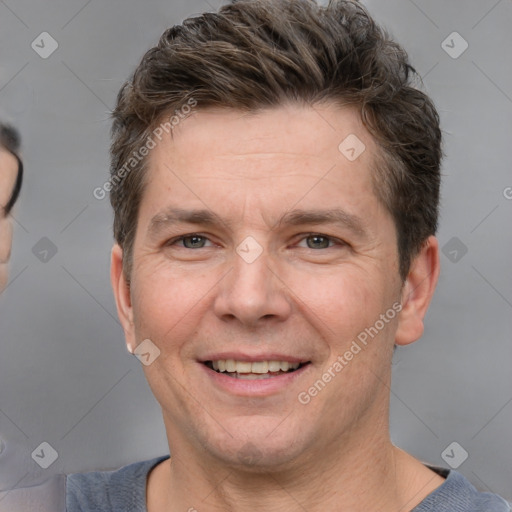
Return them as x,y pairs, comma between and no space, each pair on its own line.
11,176
255,55
291,125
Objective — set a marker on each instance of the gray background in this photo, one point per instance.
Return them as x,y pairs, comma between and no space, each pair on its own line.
65,375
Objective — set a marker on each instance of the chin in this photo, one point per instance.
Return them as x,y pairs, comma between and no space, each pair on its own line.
255,458
266,448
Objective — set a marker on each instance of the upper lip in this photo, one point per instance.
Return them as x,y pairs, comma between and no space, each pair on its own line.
253,358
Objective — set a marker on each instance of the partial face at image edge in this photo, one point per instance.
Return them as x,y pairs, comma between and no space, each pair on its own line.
9,166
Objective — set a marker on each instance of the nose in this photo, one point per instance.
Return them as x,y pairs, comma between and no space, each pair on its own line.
253,292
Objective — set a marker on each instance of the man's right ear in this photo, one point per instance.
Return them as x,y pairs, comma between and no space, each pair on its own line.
122,295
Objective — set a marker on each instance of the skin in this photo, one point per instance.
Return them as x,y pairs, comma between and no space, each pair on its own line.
8,173
302,296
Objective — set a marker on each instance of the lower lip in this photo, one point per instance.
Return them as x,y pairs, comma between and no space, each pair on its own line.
254,387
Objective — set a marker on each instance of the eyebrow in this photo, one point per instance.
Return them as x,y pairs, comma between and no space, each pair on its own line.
174,216
296,217
336,216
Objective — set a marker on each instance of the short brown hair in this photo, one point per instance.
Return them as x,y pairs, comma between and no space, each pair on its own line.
256,54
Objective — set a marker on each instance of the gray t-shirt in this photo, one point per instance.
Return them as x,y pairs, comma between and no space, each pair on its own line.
124,490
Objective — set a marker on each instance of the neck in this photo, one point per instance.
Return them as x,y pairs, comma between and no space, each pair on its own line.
364,471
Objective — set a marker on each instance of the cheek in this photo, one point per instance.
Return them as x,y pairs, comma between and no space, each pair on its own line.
340,302
358,342
5,239
167,305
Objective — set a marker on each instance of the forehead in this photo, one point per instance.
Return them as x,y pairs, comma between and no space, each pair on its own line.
8,173
288,131
263,162
270,142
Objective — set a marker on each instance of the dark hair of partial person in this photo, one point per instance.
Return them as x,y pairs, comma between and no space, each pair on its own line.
258,54
10,141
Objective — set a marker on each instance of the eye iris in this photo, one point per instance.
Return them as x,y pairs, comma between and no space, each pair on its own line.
194,239
316,238
319,241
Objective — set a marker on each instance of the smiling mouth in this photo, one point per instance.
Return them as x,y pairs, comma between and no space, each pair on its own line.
253,370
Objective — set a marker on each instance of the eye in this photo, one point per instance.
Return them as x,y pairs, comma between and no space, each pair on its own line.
319,241
314,241
191,241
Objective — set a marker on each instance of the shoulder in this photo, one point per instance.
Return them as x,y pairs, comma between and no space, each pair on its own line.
457,494
121,489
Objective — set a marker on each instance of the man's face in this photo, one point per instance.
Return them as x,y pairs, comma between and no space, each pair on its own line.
8,173
251,289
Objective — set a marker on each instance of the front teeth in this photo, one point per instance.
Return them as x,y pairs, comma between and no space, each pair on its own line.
261,367
274,366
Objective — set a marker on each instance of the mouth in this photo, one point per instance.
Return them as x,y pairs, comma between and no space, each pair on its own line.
256,370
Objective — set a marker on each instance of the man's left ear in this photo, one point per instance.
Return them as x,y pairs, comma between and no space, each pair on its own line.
122,296
417,292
